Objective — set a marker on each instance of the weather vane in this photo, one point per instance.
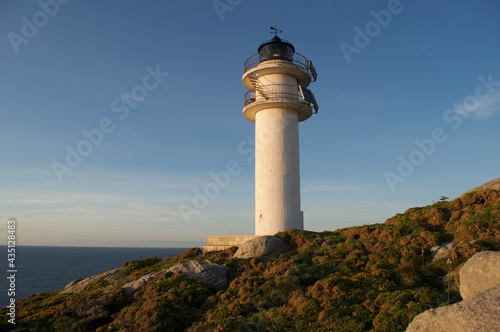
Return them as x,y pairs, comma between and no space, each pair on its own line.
275,30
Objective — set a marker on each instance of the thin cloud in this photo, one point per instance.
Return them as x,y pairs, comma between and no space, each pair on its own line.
28,202
483,109
150,212
488,107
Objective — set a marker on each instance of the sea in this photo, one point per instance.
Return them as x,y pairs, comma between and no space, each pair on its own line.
41,269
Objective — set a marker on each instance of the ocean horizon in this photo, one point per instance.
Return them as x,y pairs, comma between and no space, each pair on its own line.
43,269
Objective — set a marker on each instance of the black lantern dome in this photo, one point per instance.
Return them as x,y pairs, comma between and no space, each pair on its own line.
276,49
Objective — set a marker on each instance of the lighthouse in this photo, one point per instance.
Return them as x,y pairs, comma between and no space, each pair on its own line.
277,78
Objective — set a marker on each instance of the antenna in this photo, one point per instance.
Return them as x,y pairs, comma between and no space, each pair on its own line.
275,29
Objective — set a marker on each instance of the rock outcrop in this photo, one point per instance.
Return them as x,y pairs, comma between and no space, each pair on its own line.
480,272
205,271
480,309
493,185
479,312
442,250
135,285
263,246
77,286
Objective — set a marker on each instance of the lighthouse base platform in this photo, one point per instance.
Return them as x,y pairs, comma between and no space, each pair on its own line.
216,243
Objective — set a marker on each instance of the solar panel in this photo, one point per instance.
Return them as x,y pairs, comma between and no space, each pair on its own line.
313,71
308,96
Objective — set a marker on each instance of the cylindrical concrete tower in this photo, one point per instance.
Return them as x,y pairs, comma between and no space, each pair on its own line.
278,100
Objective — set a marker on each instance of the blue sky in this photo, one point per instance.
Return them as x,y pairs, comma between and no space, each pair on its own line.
390,73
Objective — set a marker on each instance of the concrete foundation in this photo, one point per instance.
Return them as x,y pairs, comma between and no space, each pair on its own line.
215,243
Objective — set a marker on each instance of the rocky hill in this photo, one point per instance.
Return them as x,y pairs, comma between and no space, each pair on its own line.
493,185
375,278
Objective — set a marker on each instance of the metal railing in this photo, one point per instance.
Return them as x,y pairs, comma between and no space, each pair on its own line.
295,58
274,91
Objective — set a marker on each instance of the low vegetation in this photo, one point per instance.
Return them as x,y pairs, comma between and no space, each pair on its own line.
374,278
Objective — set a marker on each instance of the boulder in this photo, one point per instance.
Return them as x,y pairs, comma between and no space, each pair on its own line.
480,308
262,246
205,271
478,312
480,272
77,286
135,285
493,185
442,250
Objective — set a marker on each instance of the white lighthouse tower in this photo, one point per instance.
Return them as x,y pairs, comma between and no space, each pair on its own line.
278,100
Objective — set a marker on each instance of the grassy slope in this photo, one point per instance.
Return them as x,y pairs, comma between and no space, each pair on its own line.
374,277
